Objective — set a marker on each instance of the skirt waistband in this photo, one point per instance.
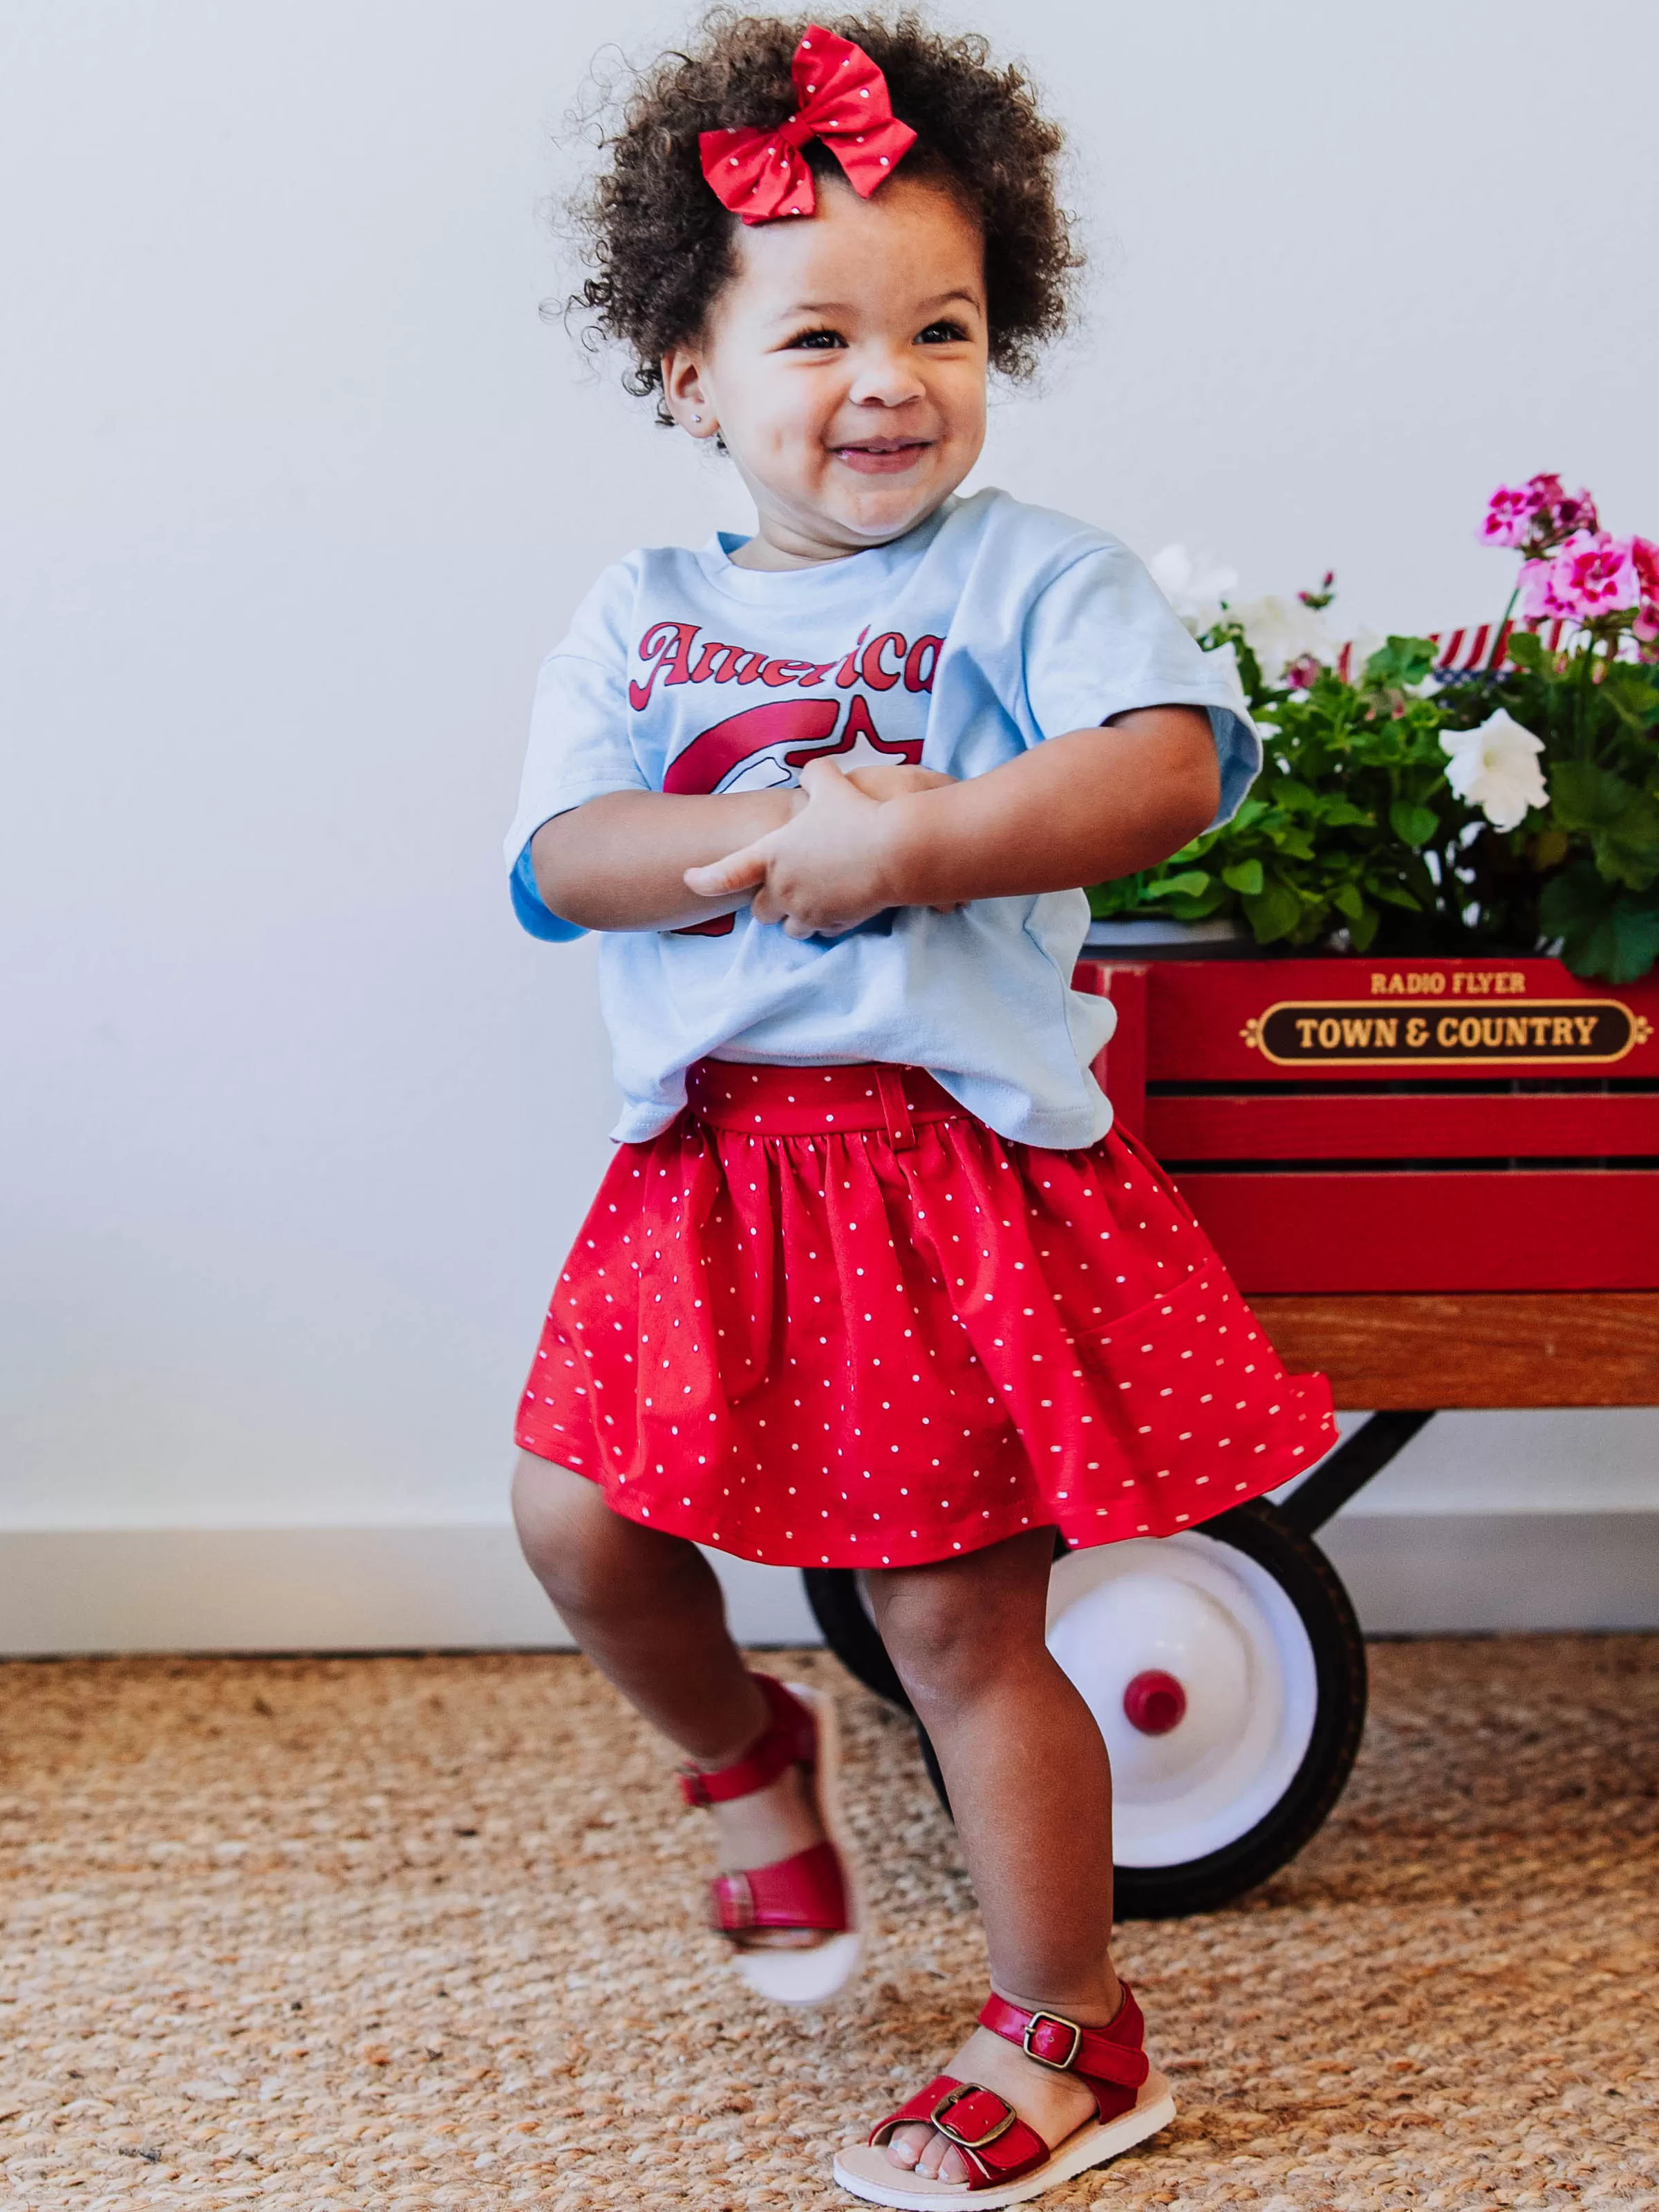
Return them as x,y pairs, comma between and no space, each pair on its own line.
814,1102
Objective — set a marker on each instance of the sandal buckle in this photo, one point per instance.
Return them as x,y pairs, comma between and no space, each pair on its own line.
1058,2019
955,2134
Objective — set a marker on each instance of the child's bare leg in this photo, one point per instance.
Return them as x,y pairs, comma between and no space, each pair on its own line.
1031,1791
646,1609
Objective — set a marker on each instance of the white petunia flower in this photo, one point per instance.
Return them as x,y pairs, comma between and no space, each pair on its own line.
1194,584
1496,767
1282,631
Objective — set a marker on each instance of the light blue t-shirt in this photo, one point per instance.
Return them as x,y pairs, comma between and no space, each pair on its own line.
986,630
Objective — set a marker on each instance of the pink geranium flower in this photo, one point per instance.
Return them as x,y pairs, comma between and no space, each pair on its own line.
1588,577
1644,559
1541,595
1509,515
1531,517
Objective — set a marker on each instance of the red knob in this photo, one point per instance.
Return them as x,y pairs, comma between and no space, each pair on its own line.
1155,1703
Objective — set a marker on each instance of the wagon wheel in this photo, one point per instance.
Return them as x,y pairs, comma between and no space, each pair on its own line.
1225,1669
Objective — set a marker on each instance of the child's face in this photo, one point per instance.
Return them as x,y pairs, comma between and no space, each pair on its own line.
844,365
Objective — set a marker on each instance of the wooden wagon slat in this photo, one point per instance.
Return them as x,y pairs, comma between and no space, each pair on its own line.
1480,1351
1415,1126
1554,1230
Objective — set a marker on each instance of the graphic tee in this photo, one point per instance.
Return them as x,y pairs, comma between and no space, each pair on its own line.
989,627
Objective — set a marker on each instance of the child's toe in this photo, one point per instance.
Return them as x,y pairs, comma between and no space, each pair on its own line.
906,2145
942,2160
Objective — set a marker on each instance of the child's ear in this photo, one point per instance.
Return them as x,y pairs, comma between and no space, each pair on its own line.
682,391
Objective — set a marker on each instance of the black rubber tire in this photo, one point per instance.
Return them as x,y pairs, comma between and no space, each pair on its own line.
1311,1584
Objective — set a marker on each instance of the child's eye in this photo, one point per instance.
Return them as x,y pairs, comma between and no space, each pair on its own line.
820,341
942,333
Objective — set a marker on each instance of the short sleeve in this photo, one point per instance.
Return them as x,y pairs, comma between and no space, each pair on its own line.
533,912
580,746
1101,639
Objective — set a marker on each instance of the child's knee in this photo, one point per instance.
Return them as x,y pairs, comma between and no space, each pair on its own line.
943,1649
955,1629
591,1561
565,1533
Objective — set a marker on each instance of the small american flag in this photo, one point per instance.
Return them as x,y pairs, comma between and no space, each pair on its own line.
1460,651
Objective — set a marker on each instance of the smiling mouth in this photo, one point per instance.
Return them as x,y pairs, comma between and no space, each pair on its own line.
879,456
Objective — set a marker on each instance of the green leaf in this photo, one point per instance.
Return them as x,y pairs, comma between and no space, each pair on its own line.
1605,934
1412,824
1117,897
1525,651
1197,910
1632,862
1393,893
1346,899
1633,692
1244,876
1363,927
1623,822
1189,883
1272,913
1586,797
1419,883
1399,664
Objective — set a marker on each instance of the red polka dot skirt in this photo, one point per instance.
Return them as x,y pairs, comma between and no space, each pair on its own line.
828,1317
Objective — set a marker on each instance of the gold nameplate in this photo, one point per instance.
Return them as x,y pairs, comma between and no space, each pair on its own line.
1357,1033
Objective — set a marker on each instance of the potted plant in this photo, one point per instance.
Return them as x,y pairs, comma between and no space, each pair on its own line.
1411,805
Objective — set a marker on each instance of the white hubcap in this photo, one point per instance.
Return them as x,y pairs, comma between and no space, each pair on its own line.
1219,1626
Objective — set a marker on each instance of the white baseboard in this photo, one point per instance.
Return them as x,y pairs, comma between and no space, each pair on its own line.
366,1589
312,1590
1461,1574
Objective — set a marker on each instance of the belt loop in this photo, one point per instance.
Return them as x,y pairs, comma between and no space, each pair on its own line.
896,1108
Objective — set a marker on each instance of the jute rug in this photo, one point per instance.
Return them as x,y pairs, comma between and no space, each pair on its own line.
388,1934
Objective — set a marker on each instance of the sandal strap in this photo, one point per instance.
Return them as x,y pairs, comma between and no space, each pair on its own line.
790,1738
995,2144
807,1891
1108,2060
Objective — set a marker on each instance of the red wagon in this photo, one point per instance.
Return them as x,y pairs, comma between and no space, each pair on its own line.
1439,1181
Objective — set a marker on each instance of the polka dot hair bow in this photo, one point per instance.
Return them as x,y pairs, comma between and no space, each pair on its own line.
842,95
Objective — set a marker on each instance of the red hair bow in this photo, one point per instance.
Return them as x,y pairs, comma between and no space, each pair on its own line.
760,174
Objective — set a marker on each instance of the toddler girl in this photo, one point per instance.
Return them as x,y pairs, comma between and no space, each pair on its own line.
871,1281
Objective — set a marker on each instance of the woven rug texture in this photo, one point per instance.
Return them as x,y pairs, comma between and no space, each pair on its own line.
380,1934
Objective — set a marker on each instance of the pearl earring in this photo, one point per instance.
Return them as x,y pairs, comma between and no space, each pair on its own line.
697,418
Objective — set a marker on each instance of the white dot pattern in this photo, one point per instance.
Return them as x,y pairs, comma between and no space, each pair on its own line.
828,1317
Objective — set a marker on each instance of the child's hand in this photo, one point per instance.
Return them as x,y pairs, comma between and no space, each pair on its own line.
826,871
885,779
894,779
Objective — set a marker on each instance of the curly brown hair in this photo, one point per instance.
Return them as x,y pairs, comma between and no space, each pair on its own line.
661,246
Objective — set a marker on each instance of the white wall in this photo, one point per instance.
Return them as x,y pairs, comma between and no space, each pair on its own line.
298,488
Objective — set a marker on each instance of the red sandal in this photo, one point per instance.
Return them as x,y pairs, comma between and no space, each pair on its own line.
1008,2160
817,1888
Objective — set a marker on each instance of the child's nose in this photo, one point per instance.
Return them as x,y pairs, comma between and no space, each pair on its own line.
886,379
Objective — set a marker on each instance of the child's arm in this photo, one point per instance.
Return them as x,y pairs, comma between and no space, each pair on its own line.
620,862
1078,809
